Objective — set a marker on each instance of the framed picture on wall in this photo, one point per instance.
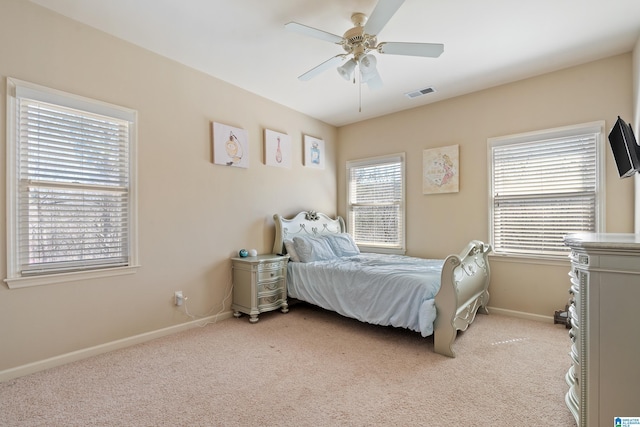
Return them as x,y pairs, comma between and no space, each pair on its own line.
440,170
313,152
230,146
277,149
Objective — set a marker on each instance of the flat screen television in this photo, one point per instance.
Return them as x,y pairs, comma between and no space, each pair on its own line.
626,151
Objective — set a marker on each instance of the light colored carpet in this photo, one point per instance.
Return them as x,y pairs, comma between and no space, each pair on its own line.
307,368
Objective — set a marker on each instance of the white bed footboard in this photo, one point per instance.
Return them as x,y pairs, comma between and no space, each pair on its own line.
463,292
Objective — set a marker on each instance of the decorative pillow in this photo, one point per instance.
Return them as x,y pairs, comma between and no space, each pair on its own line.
342,244
312,249
293,255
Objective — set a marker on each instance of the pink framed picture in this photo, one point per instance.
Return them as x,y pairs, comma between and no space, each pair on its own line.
277,149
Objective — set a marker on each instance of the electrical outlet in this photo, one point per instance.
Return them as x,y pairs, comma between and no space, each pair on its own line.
178,298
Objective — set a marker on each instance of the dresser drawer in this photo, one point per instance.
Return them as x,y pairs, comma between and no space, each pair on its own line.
572,380
570,377
573,317
578,258
575,358
572,399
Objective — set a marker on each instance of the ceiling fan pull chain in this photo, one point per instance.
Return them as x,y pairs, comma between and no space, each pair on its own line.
359,95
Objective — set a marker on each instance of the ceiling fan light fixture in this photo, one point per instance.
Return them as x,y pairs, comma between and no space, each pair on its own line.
368,64
368,70
346,70
365,77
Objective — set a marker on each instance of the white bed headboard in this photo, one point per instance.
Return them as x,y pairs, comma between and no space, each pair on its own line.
306,223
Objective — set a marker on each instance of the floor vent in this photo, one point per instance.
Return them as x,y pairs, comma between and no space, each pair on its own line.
420,92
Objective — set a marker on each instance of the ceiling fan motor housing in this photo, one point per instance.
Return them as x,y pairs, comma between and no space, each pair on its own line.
357,42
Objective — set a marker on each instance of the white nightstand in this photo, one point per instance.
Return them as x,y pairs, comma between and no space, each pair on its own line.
259,285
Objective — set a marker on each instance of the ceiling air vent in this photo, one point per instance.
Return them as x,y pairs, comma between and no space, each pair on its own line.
420,92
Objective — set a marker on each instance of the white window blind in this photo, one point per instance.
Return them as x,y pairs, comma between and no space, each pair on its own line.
544,188
73,201
376,203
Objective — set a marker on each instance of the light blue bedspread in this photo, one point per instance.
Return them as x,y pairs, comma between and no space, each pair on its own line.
374,288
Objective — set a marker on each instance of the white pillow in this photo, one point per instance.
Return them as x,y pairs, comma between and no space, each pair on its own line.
312,249
342,244
293,255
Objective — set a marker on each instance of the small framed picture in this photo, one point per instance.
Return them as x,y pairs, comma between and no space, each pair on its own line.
313,152
230,146
440,170
277,149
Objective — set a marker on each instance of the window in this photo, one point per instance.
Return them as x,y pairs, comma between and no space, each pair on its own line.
71,194
545,185
375,203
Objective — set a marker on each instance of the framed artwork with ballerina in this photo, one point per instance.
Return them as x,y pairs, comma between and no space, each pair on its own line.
277,149
440,170
230,146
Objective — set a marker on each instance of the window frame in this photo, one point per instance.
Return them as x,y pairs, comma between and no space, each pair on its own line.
596,128
386,159
18,89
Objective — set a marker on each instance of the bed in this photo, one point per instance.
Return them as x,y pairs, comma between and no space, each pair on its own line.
432,297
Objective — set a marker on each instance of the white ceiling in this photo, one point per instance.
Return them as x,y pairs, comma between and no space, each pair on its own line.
487,43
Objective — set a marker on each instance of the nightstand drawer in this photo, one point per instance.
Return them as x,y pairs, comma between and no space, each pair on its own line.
270,302
270,274
270,287
278,265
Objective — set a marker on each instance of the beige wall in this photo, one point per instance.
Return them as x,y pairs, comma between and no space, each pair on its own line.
441,224
193,214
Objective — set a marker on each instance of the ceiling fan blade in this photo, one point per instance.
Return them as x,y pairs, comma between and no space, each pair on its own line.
381,14
313,32
430,50
331,62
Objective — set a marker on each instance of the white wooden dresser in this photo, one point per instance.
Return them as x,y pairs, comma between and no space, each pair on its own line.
604,378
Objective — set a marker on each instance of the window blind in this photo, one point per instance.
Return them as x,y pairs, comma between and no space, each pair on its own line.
73,195
543,190
376,202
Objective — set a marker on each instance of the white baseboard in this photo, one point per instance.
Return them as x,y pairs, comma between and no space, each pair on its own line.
521,314
63,359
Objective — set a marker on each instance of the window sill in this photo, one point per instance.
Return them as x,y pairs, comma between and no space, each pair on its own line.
380,250
50,279
523,259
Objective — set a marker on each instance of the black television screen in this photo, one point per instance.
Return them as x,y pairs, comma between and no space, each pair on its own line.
626,151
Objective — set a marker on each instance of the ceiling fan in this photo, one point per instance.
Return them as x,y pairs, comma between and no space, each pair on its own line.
358,43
